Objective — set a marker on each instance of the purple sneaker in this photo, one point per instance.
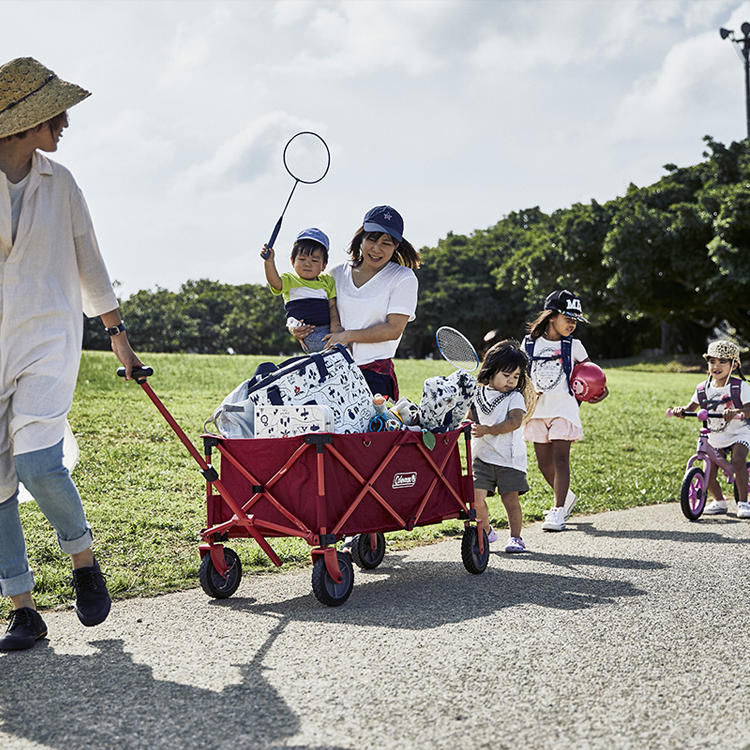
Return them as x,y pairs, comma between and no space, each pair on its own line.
492,536
515,544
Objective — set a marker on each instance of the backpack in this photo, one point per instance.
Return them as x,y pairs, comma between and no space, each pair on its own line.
566,354
734,394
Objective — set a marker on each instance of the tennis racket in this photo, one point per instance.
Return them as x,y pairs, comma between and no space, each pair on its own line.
457,349
307,159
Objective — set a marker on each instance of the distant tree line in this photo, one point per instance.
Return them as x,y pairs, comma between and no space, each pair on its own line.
659,268
203,316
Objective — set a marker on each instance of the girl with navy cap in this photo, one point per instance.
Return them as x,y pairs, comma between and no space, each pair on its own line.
376,292
556,424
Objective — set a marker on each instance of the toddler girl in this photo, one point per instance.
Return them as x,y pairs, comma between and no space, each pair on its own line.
498,450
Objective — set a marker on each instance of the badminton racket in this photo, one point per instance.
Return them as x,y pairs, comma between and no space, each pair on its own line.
307,159
457,349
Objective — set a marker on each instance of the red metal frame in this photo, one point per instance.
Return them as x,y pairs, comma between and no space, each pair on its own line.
265,487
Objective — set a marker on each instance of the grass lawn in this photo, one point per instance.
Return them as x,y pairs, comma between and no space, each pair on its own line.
145,498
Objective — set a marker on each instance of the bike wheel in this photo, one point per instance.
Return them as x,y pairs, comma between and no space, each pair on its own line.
473,561
693,493
363,555
325,589
734,486
216,585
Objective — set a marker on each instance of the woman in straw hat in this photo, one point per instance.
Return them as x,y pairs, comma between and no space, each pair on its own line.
50,271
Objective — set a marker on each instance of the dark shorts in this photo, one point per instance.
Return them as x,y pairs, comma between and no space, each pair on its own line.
488,476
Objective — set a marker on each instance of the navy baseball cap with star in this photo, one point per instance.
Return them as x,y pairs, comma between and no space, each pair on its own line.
566,303
384,219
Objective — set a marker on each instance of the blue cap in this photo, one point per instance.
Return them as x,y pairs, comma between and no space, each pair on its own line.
314,234
384,219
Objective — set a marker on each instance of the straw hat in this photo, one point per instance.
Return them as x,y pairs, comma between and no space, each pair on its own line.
31,94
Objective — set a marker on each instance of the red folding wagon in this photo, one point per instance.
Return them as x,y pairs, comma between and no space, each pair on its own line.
323,488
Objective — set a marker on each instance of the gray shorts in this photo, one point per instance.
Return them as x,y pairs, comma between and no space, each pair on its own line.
488,476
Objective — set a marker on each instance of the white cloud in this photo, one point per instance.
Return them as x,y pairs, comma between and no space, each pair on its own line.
456,112
245,157
358,38
193,44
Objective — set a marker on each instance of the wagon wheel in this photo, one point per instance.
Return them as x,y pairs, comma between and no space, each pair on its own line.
693,493
473,561
325,589
216,585
363,555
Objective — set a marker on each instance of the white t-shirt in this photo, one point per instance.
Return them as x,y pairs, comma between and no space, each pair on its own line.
392,290
549,379
16,191
724,434
492,408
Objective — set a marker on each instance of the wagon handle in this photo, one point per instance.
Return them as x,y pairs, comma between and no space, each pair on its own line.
139,374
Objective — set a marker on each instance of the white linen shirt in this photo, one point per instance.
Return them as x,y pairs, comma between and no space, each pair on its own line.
50,274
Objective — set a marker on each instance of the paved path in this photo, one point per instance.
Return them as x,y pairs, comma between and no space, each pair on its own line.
629,630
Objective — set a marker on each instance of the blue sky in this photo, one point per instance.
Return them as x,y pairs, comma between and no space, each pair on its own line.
456,112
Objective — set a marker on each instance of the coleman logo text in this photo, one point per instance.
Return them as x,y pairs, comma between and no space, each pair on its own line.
405,479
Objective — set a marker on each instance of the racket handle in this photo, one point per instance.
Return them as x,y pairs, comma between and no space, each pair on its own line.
275,234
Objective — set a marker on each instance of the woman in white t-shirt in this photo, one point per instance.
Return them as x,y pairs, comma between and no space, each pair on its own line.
376,293
556,424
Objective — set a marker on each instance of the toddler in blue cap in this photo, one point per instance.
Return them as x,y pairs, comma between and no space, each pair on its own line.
309,294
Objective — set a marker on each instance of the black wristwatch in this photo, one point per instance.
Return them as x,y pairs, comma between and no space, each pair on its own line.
116,330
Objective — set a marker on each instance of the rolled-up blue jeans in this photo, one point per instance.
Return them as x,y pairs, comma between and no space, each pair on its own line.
46,478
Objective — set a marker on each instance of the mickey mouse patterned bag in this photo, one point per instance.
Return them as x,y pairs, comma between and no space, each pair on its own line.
446,400
328,378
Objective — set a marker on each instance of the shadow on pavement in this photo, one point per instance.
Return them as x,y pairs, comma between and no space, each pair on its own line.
694,535
105,700
420,595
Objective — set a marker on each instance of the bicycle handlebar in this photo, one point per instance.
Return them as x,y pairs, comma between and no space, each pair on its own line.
702,414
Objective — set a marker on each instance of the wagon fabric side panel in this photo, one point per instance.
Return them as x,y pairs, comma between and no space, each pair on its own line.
372,481
400,469
292,482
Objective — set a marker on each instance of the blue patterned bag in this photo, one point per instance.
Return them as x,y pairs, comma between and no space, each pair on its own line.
446,399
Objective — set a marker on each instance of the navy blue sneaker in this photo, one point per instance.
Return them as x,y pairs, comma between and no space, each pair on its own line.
92,598
25,628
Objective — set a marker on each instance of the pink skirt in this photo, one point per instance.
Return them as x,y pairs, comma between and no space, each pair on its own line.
547,430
